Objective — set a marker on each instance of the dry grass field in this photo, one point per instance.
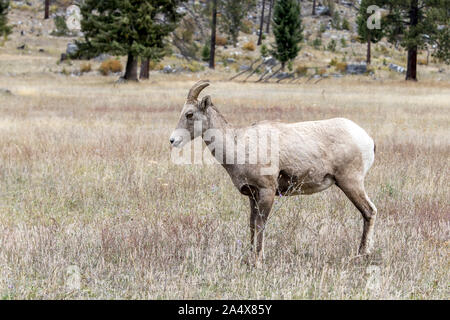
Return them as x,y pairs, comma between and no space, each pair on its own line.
86,183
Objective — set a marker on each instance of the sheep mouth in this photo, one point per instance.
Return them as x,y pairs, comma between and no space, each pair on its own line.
177,143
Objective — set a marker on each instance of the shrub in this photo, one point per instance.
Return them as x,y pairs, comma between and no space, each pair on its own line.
205,52
221,41
382,49
321,71
336,20
249,46
290,66
322,27
155,65
193,66
333,62
111,65
422,61
317,43
301,70
85,67
346,24
246,26
343,43
341,67
264,51
61,27
332,45
65,72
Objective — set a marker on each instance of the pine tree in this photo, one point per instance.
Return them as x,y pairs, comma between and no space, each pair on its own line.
366,34
415,24
287,28
5,30
232,14
135,28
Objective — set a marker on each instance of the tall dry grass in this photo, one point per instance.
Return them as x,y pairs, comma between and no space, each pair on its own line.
86,181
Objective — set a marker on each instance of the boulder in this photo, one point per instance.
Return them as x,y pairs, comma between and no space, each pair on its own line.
168,69
322,11
396,68
356,68
72,49
270,61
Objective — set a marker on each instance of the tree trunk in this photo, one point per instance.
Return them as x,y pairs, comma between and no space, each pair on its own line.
314,8
131,69
213,36
145,69
47,9
262,23
270,16
369,53
411,70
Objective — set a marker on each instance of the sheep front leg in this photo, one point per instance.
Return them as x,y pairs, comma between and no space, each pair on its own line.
263,206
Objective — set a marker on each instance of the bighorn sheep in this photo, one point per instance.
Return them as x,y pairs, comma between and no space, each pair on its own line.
313,156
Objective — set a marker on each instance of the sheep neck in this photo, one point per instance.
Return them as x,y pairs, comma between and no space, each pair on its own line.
225,132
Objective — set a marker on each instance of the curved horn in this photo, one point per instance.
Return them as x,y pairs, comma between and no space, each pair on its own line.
196,89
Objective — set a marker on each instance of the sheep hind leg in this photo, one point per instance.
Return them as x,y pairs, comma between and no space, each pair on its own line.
355,191
253,214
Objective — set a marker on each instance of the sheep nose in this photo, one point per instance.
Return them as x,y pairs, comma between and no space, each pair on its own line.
172,140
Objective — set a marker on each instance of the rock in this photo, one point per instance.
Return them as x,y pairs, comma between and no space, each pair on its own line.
441,70
270,61
244,67
168,69
41,50
21,47
63,57
72,49
396,68
356,68
347,4
283,75
102,57
322,11
231,60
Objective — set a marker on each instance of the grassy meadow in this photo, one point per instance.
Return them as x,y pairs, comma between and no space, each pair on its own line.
86,182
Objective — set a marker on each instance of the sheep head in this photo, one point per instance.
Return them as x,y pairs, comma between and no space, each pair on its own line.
193,119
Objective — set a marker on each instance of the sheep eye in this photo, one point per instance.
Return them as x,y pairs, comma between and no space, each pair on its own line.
189,115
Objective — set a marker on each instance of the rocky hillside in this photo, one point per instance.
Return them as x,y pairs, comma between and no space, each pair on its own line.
330,48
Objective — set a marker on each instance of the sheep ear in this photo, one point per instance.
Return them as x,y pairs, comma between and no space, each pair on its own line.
206,102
